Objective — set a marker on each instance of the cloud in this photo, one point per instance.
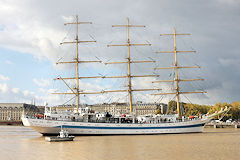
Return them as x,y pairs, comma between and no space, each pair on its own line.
27,93
9,62
16,95
4,78
228,2
230,62
41,82
15,90
3,87
39,30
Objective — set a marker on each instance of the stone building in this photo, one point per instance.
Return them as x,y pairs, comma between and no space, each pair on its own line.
13,111
123,108
118,108
113,108
149,108
70,107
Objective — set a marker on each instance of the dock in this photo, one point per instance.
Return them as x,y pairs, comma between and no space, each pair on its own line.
222,125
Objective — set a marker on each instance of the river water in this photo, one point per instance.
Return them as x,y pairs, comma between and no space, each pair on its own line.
22,143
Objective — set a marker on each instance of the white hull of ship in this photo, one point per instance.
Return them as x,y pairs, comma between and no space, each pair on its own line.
48,127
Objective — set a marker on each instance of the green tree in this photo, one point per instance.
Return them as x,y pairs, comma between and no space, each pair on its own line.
197,110
158,111
235,111
172,107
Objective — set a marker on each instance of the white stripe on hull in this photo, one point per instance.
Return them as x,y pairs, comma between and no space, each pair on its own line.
84,128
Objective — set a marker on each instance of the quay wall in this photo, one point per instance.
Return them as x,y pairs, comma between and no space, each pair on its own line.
14,123
224,125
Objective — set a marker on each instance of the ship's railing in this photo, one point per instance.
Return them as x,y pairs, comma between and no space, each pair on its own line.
114,121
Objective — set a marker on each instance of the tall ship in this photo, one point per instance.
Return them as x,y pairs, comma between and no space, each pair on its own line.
82,121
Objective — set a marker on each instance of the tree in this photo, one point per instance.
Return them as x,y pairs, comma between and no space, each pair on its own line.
235,111
172,107
195,109
158,111
198,110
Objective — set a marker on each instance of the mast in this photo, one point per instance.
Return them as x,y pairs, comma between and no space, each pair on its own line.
76,61
77,69
128,62
129,69
176,72
176,67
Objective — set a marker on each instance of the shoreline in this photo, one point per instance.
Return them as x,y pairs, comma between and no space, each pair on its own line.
11,123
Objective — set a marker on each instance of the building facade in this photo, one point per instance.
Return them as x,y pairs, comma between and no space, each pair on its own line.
14,111
123,108
118,108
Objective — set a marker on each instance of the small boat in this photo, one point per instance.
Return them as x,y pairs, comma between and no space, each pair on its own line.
62,137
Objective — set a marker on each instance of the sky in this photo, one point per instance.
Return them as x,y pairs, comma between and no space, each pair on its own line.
31,32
